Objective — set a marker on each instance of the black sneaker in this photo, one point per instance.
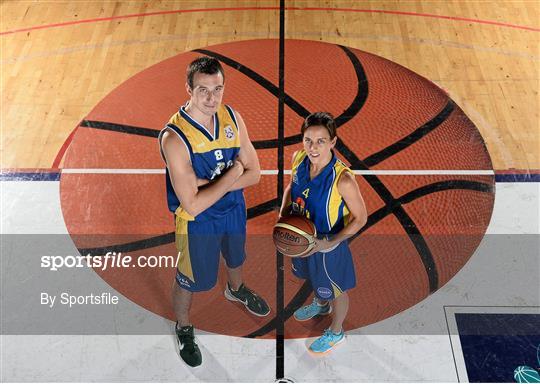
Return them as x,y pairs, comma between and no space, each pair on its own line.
189,351
250,299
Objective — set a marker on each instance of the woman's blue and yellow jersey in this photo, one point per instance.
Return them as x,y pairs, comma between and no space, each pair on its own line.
210,156
319,199
330,272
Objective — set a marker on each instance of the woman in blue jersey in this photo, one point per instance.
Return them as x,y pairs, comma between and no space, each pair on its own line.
324,190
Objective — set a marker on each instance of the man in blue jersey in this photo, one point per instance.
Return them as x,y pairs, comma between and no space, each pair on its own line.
209,159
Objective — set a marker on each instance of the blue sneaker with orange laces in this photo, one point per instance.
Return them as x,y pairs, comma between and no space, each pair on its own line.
314,309
327,341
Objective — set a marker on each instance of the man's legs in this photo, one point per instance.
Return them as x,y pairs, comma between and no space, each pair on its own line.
233,249
197,271
235,277
189,350
181,304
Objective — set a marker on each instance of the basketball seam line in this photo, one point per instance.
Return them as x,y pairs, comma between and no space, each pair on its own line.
399,212
411,138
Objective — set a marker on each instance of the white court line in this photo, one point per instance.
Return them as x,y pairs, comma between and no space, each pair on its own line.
114,171
402,172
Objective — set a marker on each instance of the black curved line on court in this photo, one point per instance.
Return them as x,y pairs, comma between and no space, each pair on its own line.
422,191
305,290
349,113
166,238
412,138
268,206
121,128
262,81
404,219
344,117
150,242
361,91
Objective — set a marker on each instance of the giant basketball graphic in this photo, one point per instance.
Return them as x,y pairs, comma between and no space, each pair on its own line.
422,227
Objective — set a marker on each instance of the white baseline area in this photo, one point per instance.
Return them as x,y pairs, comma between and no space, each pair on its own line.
32,207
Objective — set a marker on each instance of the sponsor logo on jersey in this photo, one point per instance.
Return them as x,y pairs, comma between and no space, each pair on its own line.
299,207
324,292
183,281
220,167
295,177
229,132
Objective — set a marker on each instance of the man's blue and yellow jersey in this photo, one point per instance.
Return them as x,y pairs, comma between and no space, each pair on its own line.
319,199
210,156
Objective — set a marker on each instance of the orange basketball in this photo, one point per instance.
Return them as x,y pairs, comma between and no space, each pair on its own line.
294,235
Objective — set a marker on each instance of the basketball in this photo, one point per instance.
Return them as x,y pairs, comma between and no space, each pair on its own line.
294,236
389,118
524,374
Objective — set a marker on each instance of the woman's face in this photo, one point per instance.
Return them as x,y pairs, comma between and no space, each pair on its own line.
318,145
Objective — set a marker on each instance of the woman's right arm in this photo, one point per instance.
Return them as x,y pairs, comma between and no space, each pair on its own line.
285,202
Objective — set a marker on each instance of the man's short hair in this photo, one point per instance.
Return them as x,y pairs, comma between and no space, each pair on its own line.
324,119
203,64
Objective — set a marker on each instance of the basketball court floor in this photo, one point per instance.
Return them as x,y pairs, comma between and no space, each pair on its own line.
437,112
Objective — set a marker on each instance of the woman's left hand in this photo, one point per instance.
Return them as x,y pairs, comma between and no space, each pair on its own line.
320,245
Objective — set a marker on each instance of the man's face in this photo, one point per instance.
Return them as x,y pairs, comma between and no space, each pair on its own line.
207,92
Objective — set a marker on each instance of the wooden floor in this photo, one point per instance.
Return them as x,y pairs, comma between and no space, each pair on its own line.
60,58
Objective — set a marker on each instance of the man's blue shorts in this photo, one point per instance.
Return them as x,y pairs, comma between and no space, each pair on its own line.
330,273
200,243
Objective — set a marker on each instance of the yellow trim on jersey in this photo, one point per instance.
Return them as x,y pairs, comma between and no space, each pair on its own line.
182,246
300,155
337,290
199,142
297,160
181,212
335,197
